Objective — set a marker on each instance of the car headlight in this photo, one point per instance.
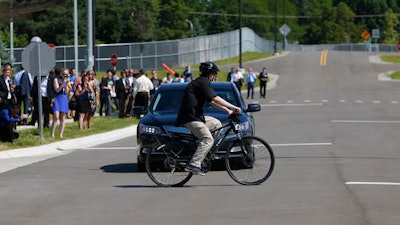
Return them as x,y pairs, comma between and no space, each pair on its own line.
144,129
242,126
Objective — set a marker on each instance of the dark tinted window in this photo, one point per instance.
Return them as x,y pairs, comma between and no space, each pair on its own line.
225,94
168,101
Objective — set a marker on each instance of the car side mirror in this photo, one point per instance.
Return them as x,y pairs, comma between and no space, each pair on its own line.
253,107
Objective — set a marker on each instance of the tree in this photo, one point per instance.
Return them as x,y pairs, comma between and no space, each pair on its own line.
120,21
4,56
328,24
345,19
19,40
369,9
389,33
127,20
173,20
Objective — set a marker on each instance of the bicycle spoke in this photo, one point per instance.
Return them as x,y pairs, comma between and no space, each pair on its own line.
254,168
164,168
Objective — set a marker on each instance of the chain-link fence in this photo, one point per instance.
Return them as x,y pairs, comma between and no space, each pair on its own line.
150,55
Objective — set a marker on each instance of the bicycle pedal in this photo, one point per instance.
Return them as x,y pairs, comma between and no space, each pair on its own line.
216,157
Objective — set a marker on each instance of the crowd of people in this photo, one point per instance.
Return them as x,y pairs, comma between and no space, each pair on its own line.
66,95
236,76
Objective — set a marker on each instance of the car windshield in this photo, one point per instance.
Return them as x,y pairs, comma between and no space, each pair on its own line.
168,101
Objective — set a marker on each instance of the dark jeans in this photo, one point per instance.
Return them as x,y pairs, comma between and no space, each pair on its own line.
250,89
142,99
45,111
7,133
263,89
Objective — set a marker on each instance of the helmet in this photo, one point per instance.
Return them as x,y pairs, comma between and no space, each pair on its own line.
206,68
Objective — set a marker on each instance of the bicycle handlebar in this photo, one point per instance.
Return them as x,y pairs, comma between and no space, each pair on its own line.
234,117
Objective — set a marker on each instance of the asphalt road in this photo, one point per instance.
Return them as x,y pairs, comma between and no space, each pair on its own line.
333,128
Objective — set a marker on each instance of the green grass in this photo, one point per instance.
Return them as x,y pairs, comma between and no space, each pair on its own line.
391,58
31,137
395,75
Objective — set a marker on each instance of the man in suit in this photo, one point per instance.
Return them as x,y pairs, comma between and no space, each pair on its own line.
6,87
124,94
24,80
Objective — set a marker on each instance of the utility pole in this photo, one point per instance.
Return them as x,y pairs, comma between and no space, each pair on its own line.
89,57
275,27
76,36
240,33
12,33
284,22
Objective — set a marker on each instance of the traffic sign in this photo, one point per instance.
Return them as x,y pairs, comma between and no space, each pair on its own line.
38,58
114,60
285,29
365,35
376,33
52,46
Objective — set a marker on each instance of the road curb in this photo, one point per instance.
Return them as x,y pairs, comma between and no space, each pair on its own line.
68,145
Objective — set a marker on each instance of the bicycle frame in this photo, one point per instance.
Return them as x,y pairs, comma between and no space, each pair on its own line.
229,128
167,160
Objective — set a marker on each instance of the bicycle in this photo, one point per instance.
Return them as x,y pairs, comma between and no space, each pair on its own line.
248,160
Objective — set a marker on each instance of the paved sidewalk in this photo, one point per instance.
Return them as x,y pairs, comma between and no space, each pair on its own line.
11,159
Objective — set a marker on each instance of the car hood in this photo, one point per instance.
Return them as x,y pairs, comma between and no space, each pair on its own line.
170,119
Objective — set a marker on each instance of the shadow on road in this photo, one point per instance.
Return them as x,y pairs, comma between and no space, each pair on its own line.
120,168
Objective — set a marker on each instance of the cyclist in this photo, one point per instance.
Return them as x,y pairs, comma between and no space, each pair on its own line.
191,114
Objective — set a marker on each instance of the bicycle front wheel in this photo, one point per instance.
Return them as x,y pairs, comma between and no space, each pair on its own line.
250,162
164,167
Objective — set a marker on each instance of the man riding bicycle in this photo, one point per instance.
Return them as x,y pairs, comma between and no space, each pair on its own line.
191,115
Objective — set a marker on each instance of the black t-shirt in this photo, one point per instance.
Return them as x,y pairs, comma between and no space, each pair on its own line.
156,84
263,77
107,83
197,93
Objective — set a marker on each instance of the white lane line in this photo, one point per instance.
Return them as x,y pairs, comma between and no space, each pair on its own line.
365,121
342,101
324,100
295,104
359,101
303,144
374,183
111,148
394,102
376,101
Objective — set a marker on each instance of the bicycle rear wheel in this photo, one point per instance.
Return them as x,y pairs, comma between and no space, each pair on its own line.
253,167
164,168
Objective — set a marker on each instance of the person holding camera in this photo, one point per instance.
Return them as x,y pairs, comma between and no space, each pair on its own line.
60,104
8,117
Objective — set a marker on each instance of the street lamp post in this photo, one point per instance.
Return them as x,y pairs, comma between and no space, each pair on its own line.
240,33
12,33
76,35
90,57
275,27
284,22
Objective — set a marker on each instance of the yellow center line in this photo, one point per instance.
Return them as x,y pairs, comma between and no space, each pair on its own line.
322,59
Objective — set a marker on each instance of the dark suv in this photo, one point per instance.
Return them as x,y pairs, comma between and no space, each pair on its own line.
163,110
